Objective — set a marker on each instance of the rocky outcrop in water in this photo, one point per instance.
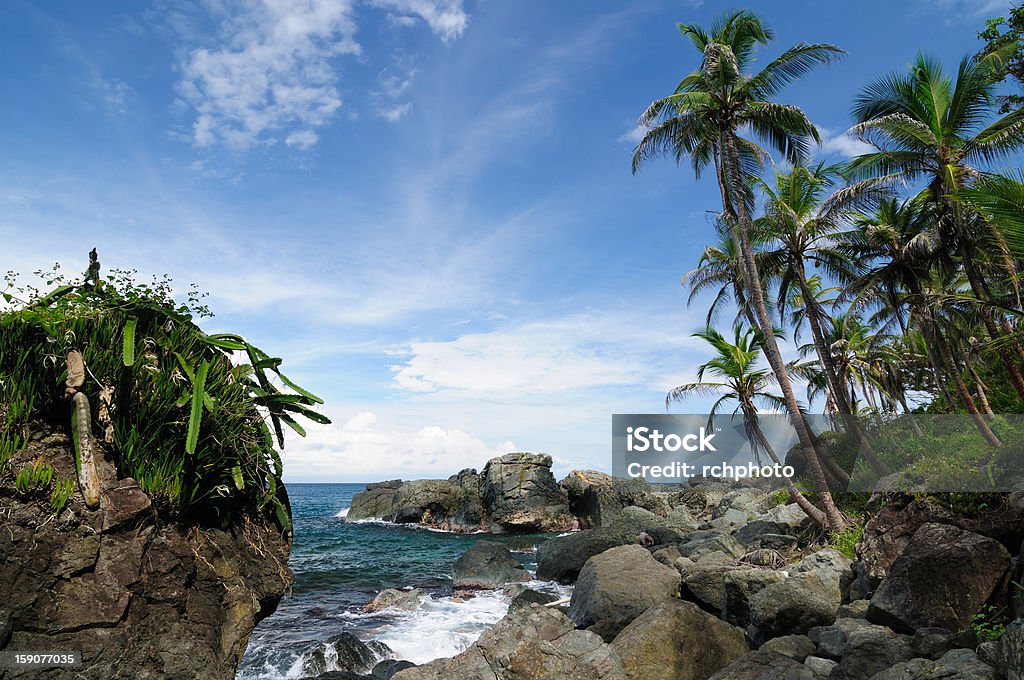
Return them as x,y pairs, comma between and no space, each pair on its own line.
514,493
139,597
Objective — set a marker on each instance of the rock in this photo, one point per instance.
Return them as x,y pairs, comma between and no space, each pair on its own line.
709,540
470,515
140,598
729,519
344,652
822,668
870,649
831,564
795,605
667,555
762,665
681,519
958,664
533,643
617,586
941,578
385,670
488,565
561,558
676,640
528,597
777,542
746,501
796,647
858,609
931,643
704,584
739,586
376,502
519,493
406,600
1009,654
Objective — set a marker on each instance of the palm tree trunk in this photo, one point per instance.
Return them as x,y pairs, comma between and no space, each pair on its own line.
906,410
835,519
851,423
814,513
963,392
979,289
979,387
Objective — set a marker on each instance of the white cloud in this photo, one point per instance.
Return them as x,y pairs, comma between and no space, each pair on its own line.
446,18
395,113
633,135
271,71
970,8
113,94
839,142
302,139
361,448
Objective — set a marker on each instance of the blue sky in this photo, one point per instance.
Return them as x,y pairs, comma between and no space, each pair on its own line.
425,206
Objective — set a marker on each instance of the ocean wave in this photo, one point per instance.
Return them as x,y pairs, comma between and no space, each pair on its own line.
343,513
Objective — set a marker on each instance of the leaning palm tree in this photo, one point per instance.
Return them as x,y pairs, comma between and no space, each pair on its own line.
803,214
927,127
737,379
706,119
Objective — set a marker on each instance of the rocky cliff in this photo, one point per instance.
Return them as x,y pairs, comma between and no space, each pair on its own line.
138,596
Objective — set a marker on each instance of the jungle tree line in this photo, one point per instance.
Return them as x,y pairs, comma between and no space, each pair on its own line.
902,266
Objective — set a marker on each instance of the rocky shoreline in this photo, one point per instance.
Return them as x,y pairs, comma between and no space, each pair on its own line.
725,581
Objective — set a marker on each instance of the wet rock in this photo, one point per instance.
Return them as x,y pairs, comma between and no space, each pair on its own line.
488,565
406,600
385,670
617,586
941,578
346,653
528,597
676,640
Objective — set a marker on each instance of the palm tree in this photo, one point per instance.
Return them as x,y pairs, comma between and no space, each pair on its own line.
719,269
801,220
927,127
739,380
901,242
703,120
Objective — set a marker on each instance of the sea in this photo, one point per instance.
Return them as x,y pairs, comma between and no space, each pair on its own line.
340,566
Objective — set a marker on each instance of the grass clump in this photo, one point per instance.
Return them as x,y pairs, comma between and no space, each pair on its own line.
33,479
846,541
195,418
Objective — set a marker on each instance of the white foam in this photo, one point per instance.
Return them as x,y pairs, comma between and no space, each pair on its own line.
442,627
343,513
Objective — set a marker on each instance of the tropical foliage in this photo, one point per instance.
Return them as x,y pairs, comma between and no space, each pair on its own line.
902,266
195,418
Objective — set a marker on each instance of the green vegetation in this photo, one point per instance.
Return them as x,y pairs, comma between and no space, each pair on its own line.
903,264
989,624
846,541
193,417
33,479
60,495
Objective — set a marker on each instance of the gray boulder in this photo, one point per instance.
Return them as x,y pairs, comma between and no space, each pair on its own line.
376,502
822,668
488,565
761,665
795,605
706,541
705,585
617,586
941,578
796,647
676,640
406,600
958,664
346,653
519,493
739,586
1009,653
869,649
533,643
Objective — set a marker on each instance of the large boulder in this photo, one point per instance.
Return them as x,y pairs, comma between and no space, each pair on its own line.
705,583
345,653
376,502
676,640
763,665
941,578
796,647
739,586
1009,654
861,648
957,664
617,586
532,643
597,499
561,558
406,600
795,605
453,504
488,565
519,493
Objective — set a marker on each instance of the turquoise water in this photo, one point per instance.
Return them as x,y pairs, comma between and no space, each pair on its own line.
339,567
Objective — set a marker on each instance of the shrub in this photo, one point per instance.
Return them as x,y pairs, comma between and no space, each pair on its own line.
192,417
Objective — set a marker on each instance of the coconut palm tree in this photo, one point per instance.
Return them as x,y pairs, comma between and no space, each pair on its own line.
706,119
929,128
736,378
802,217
